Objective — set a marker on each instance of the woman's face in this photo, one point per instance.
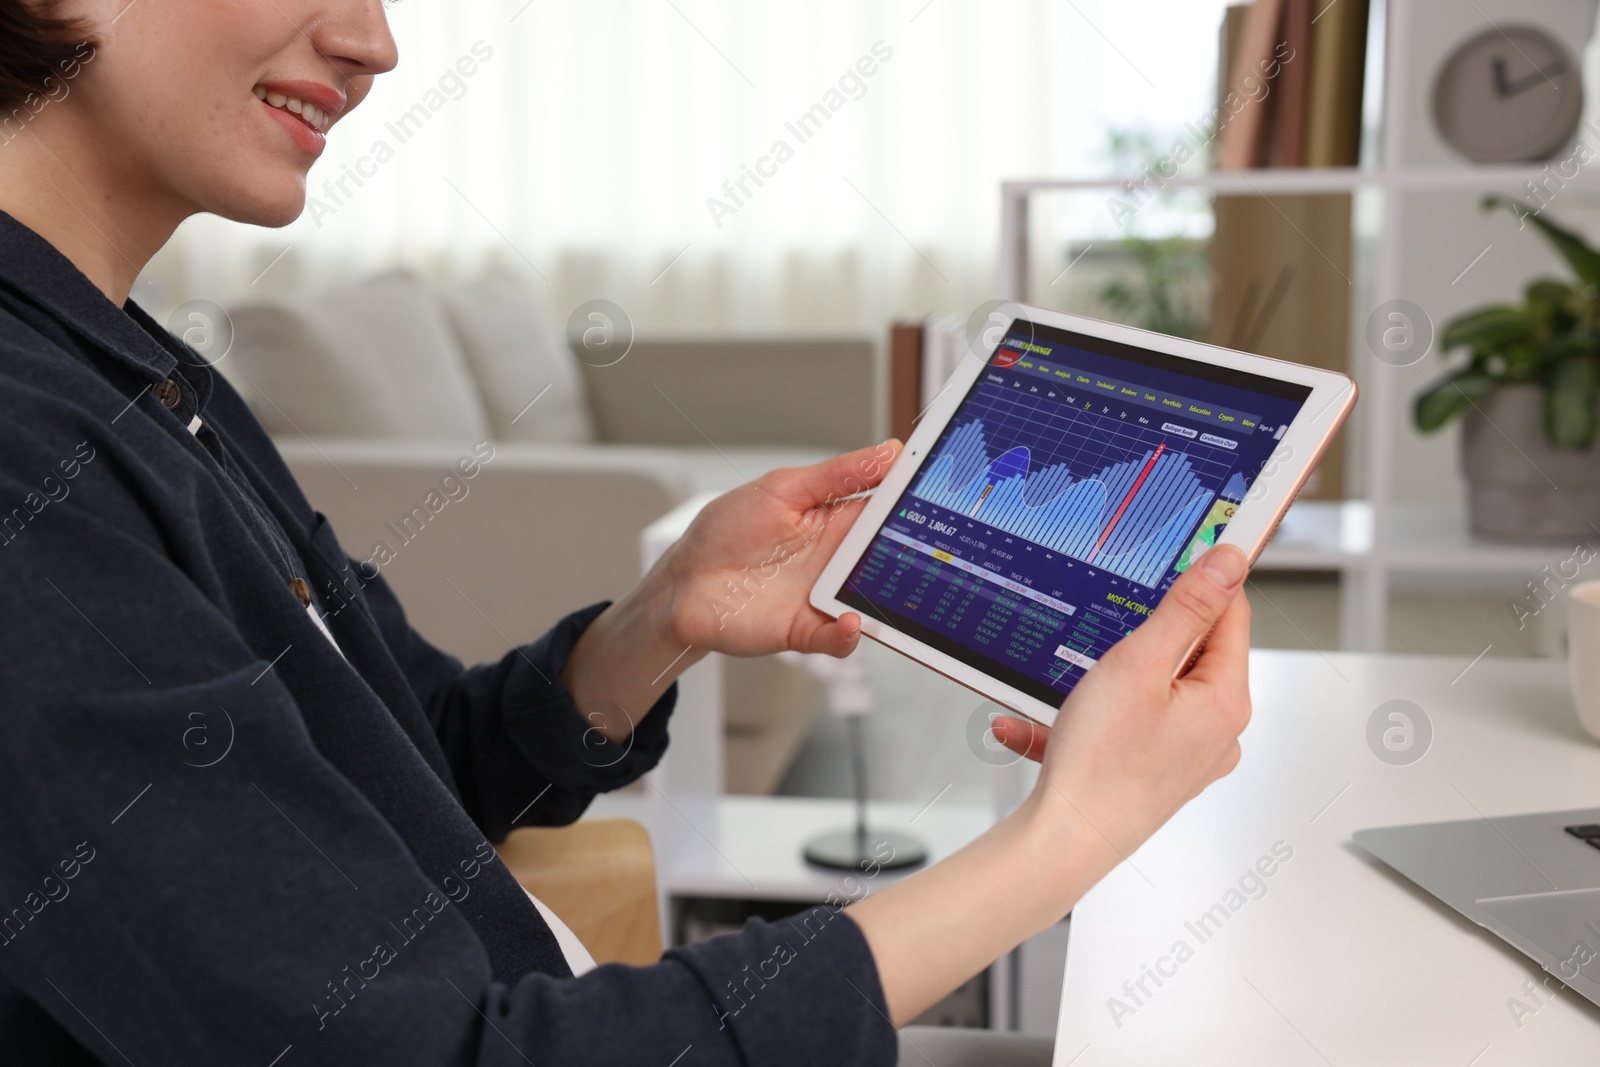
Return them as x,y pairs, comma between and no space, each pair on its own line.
223,105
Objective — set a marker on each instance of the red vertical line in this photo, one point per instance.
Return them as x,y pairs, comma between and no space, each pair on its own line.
1137,482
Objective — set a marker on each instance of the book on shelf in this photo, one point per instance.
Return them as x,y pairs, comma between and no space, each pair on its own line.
1338,77
1249,95
1286,122
905,377
1291,75
1232,30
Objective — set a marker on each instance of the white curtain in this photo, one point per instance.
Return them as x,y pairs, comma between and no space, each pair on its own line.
580,141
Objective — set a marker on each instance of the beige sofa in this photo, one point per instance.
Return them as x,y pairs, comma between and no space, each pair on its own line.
374,394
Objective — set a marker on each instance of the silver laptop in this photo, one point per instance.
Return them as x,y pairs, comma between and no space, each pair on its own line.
1534,880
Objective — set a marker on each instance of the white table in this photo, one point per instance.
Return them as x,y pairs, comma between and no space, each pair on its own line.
1341,961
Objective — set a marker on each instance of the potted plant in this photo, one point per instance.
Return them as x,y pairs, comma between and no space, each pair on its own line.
1527,396
1168,293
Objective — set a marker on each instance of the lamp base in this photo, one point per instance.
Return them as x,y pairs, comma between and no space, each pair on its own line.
848,850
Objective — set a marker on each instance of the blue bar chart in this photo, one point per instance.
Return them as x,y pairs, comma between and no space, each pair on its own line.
1122,497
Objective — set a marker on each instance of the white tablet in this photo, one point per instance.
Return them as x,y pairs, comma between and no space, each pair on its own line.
1068,473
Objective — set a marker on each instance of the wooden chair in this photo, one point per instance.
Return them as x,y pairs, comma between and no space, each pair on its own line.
599,876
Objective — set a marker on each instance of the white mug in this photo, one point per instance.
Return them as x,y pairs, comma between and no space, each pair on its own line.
1583,653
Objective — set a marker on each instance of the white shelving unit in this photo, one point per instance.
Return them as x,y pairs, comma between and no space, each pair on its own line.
1371,540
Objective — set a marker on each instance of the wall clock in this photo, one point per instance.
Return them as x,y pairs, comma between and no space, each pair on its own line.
1512,94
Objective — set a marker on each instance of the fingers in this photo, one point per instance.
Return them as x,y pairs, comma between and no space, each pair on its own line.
1226,659
1224,667
1022,736
1194,604
835,637
842,476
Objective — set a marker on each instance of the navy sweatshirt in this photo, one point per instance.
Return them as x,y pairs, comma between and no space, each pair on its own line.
225,840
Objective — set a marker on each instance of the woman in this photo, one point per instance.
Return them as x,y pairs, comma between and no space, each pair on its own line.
323,891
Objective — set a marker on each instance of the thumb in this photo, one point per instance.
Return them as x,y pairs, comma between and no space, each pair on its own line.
834,637
1190,608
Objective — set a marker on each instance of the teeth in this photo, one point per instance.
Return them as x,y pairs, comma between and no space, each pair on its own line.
312,115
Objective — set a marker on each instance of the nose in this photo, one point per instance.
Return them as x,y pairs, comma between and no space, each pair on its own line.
355,38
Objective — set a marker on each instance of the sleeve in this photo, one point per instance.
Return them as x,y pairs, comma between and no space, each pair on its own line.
803,990
228,896
511,731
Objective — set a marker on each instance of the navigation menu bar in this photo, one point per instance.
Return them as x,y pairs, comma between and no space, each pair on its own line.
1082,386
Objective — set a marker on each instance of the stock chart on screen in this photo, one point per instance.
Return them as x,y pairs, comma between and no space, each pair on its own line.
1072,486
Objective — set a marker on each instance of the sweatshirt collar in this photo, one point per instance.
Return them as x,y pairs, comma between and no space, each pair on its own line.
33,268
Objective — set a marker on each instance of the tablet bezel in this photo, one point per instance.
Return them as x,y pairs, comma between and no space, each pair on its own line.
1303,443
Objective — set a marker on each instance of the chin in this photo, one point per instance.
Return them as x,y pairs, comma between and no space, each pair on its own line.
273,205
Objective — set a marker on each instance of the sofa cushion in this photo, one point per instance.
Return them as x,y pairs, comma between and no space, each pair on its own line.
686,391
377,359
517,351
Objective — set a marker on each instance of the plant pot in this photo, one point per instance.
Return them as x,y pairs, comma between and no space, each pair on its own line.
1521,488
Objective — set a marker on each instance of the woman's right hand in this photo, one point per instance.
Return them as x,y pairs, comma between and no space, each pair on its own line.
1129,748
1132,745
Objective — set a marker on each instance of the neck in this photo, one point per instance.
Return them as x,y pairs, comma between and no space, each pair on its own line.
95,211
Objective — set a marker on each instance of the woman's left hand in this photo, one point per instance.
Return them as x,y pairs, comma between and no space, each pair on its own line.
738,581
741,576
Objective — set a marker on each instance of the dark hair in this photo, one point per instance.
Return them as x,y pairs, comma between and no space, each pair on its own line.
35,47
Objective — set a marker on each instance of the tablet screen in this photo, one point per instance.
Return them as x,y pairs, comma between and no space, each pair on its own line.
1077,479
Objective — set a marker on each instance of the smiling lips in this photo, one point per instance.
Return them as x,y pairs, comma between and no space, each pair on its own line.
305,110
310,114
